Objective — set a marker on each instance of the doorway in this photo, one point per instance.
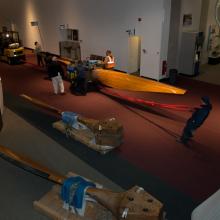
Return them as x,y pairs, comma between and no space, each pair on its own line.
134,55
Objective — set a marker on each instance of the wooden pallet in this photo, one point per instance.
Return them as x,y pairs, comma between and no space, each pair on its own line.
51,205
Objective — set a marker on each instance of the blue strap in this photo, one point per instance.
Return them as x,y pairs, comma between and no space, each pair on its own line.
65,189
73,191
69,118
78,197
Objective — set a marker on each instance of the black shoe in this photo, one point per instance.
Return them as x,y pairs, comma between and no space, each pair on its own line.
179,141
182,141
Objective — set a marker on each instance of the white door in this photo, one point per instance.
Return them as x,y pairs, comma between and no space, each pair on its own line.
134,54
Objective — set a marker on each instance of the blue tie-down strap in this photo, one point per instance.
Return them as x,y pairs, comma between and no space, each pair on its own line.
65,189
73,192
69,118
78,197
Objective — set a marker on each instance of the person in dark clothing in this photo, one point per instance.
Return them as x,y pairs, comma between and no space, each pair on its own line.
55,72
81,79
196,120
47,59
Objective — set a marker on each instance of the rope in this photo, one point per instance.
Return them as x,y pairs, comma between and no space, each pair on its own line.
168,131
145,102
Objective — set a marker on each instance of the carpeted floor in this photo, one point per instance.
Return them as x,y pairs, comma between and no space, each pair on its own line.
150,154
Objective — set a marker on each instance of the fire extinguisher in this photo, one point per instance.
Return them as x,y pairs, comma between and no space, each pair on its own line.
164,67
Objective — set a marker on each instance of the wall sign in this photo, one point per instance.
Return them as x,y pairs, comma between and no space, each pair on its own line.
187,20
62,26
34,23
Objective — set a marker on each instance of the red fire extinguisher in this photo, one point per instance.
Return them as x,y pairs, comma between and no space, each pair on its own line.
164,67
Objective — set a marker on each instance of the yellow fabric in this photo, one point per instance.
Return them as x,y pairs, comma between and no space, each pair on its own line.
128,82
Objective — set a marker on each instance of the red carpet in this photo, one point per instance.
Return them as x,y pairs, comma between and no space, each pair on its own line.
150,133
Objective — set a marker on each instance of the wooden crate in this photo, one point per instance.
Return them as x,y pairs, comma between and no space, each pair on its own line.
51,205
83,136
109,126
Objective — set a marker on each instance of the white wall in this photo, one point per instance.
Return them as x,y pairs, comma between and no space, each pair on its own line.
165,35
211,12
102,25
172,59
210,21
189,7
